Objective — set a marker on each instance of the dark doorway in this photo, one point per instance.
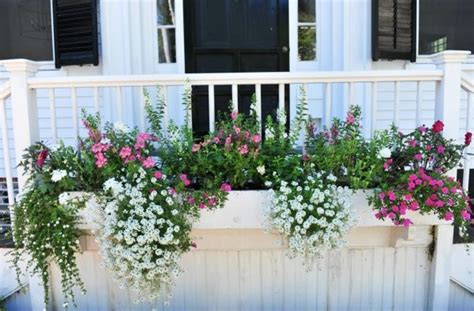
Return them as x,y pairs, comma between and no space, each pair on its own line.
235,36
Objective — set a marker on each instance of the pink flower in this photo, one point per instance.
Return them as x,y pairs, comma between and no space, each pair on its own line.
194,245
418,156
381,196
465,214
437,127
350,118
184,179
125,152
228,140
440,149
387,163
256,138
216,140
43,154
467,138
233,115
422,129
428,147
158,175
244,149
378,215
172,191
406,222
101,161
395,209
247,134
226,187
211,201
191,200
448,216
391,195
408,197
391,215
412,143
202,206
148,162
236,130
445,190
196,148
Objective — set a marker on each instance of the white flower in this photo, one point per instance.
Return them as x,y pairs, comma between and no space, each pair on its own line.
121,127
385,153
58,175
261,169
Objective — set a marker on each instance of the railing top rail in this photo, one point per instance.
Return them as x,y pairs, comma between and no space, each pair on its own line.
238,78
467,83
5,90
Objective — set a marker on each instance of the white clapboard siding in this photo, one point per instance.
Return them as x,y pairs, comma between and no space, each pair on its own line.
259,276
460,299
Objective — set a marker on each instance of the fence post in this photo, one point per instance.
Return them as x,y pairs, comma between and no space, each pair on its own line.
25,132
24,110
448,110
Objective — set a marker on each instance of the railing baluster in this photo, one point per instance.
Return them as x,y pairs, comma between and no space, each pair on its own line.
419,103
328,104
396,105
6,152
258,104
373,113
96,100
466,170
235,97
52,115
142,108
212,112
119,103
75,118
281,98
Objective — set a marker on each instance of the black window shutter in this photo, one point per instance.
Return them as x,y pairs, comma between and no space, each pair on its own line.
394,29
75,32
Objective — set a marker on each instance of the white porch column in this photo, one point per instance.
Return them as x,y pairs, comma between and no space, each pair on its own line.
25,132
24,110
448,90
448,110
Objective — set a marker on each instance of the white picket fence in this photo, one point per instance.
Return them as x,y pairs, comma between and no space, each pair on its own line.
21,126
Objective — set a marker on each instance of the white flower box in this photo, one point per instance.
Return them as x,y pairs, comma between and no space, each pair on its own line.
246,210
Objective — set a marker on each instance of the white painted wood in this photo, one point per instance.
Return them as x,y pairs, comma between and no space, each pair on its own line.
258,104
467,166
52,108
142,108
462,266
6,156
238,78
327,104
396,106
419,103
459,298
440,269
212,107
235,97
281,97
75,117
119,103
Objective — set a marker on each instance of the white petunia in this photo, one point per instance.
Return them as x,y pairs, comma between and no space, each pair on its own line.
385,153
58,175
63,198
121,127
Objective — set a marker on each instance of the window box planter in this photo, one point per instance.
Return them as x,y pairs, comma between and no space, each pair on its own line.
246,210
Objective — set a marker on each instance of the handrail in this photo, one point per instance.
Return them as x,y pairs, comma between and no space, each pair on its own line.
5,90
238,78
467,83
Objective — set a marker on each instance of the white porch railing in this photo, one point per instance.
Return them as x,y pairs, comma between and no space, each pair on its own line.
447,77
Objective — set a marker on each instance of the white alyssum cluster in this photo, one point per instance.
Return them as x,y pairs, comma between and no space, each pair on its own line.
121,127
314,215
138,239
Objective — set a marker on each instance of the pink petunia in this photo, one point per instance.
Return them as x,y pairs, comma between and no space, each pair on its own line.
216,140
256,138
226,187
406,222
191,200
202,206
428,147
184,179
465,214
350,119
158,175
440,149
412,143
236,130
125,152
244,149
448,216
414,206
101,160
391,195
228,141
233,115
391,215
418,156
148,162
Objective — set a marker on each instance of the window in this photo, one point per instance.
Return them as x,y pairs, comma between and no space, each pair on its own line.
445,25
25,29
166,31
306,30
